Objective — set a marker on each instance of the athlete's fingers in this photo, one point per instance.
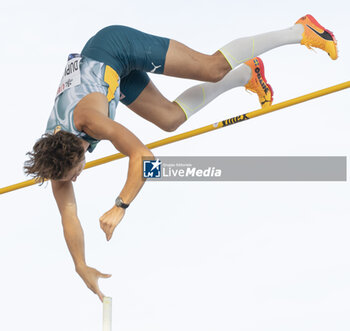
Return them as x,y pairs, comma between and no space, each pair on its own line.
97,291
106,228
100,295
105,275
107,232
110,233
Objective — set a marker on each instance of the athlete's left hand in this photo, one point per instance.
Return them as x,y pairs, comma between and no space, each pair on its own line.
110,220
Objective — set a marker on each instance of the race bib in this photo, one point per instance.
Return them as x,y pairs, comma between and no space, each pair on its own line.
71,76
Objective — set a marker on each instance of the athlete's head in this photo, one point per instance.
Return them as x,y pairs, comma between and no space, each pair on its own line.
59,156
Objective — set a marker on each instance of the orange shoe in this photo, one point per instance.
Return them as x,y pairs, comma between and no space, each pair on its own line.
258,83
315,35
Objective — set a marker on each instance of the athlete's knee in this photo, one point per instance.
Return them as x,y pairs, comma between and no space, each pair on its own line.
217,68
215,76
171,125
175,118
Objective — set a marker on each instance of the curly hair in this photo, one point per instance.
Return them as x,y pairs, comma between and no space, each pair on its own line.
53,156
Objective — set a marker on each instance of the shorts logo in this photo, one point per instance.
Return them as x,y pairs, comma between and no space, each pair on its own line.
155,67
152,168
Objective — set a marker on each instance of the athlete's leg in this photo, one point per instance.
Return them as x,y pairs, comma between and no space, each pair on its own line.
154,107
140,95
251,75
143,97
182,61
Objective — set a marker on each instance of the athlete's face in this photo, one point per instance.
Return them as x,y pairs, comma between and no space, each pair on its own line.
73,174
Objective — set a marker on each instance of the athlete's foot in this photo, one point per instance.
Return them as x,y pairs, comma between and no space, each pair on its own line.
258,83
315,35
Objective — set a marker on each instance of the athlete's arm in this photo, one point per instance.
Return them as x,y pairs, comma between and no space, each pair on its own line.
99,126
74,235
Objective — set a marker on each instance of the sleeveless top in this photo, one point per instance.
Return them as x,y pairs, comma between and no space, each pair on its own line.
81,77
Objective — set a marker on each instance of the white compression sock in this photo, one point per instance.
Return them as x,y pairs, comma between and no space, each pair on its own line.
237,52
196,97
244,49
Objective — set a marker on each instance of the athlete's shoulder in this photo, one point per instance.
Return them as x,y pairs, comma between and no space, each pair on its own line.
87,106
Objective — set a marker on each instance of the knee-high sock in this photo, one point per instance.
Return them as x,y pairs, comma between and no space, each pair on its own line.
244,49
196,97
237,52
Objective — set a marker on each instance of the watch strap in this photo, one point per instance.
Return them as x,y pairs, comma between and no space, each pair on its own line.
120,203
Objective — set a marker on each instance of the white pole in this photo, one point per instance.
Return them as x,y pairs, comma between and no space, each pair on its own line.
107,314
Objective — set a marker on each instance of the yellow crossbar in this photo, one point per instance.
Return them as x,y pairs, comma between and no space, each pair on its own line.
203,129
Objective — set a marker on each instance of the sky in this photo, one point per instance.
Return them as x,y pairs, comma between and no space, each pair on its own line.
187,256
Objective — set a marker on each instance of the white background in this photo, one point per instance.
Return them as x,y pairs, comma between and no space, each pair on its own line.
187,256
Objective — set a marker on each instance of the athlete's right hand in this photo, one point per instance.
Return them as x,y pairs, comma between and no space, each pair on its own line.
90,276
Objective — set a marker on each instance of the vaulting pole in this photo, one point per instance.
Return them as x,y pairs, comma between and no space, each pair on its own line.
203,129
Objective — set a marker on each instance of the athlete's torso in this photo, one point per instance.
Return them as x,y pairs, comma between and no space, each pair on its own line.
82,77
113,50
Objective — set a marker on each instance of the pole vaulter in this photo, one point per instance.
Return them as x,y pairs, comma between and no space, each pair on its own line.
204,129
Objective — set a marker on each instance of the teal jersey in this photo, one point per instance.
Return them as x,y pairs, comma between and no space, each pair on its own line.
81,77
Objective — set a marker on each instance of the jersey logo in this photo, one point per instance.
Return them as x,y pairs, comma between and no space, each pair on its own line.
155,67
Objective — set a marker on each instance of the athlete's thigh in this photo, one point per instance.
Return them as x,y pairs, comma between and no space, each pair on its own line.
154,107
184,62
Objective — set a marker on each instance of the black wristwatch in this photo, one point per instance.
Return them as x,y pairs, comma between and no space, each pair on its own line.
119,203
